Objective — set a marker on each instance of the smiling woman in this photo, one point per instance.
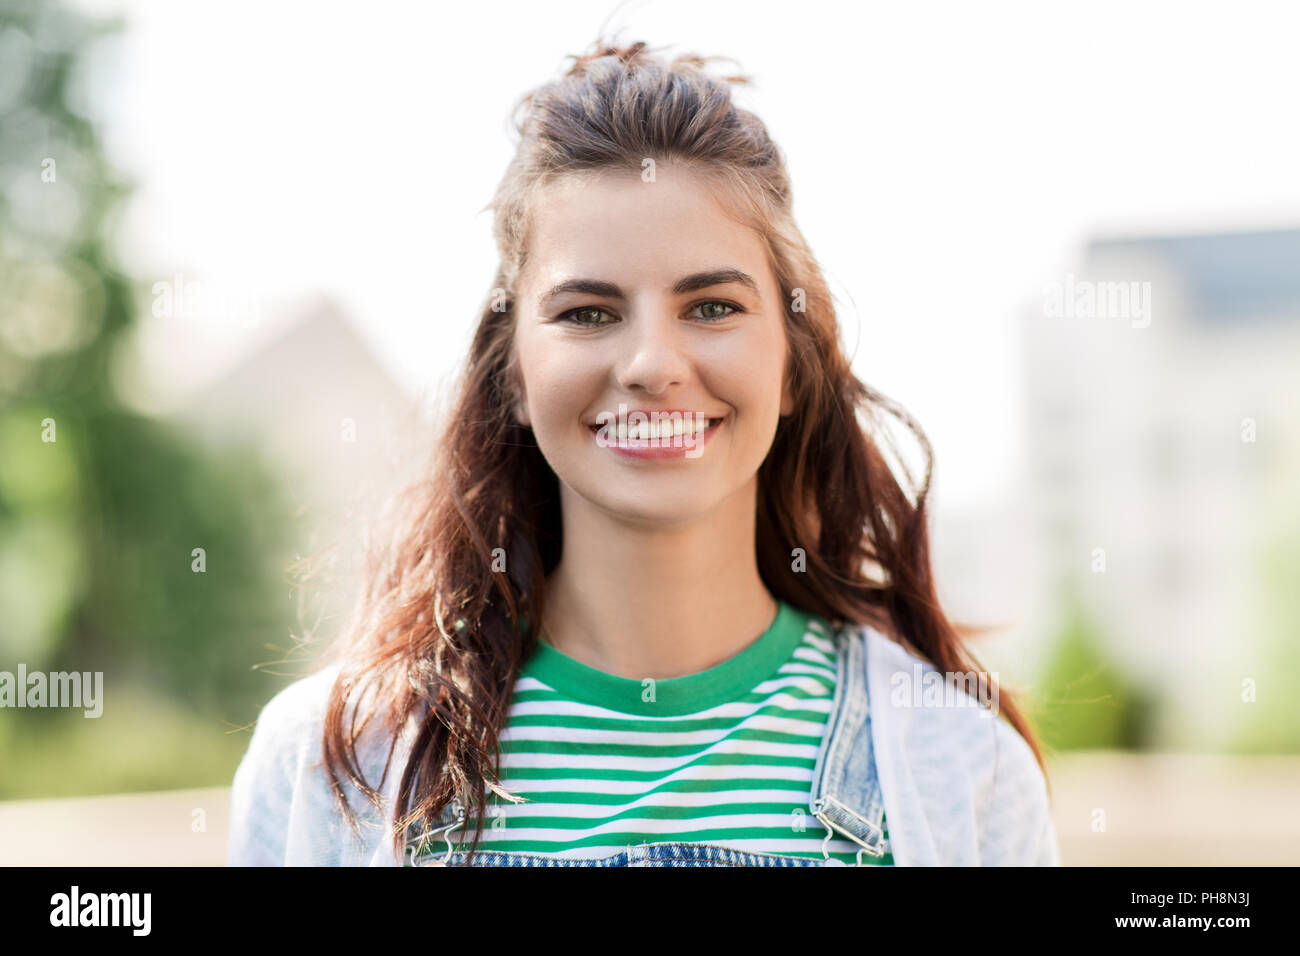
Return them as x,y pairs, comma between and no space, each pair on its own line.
648,606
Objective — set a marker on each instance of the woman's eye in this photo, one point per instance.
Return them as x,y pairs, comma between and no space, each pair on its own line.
576,315
719,315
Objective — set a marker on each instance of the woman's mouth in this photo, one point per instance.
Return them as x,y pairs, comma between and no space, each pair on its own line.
679,437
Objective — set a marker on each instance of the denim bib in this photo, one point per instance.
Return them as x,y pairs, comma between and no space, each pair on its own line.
845,796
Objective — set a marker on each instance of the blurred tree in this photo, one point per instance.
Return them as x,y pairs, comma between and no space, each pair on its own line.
1271,714
1083,702
101,509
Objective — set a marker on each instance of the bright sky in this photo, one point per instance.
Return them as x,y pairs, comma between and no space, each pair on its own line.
948,160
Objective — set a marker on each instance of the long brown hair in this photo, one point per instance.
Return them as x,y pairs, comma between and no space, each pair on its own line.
437,638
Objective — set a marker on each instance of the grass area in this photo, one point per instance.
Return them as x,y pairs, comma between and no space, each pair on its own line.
141,742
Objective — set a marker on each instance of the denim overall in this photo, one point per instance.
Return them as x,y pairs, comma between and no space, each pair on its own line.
845,796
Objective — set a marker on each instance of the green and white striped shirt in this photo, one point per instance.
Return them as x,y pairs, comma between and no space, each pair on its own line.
724,756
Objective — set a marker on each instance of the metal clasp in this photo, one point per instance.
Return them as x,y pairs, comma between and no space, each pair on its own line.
413,847
817,808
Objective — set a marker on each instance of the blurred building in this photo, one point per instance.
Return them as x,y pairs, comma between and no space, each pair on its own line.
338,432
1163,423
316,398
981,560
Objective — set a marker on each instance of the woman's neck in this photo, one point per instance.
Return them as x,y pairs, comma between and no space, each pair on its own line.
651,602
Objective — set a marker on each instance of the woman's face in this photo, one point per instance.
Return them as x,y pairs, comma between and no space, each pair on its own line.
646,295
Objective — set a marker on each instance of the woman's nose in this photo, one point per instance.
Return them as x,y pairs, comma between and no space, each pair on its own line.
655,352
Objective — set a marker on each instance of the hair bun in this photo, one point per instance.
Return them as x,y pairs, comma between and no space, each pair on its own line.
641,52
626,55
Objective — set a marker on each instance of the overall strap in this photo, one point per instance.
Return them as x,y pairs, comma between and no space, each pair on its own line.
846,793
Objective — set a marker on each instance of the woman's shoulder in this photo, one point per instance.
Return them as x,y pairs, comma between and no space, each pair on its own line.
282,807
953,741
960,710
291,723
298,707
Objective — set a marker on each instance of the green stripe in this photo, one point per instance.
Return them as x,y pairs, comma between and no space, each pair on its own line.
678,695
538,695
620,749
668,786
595,773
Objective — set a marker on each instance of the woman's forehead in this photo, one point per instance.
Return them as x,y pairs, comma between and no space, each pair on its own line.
615,224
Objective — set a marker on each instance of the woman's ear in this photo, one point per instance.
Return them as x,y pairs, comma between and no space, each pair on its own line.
521,413
520,407
518,401
787,397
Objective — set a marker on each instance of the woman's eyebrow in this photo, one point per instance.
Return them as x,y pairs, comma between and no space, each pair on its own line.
690,283
703,280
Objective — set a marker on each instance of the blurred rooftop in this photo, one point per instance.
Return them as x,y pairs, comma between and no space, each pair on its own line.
1228,276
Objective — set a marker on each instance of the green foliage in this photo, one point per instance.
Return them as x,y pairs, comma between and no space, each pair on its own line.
141,742
101,508
1085,703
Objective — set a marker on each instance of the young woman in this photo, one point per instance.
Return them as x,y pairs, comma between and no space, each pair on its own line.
661,600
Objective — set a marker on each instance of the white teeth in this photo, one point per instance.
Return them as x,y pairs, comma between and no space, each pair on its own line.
668,428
